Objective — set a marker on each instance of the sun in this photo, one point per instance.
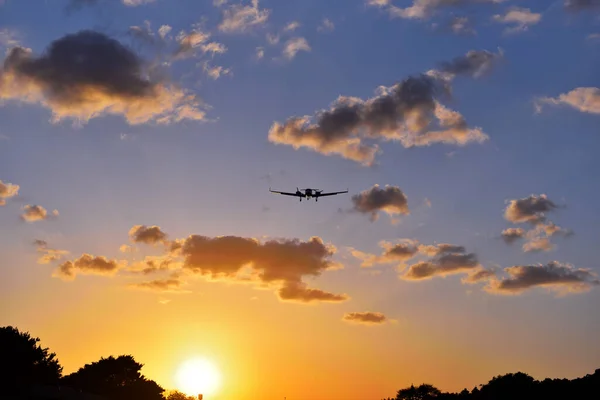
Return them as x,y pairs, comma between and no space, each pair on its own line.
198,376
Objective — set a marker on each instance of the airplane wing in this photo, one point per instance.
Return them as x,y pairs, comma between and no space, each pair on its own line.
332,193
285,193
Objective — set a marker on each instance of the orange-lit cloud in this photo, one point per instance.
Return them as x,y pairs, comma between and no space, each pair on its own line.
554,276
238,18
365,318
32,213
530,209
88,264
7,190
48,255
584,99
87,74
521,19
170,285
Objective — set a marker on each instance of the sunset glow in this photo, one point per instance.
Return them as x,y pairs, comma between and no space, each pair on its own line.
198,376
301,199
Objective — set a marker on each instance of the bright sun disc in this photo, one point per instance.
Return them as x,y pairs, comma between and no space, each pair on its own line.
198,376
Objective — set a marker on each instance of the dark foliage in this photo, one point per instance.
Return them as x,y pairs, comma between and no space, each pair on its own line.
24,362
514,386
116,379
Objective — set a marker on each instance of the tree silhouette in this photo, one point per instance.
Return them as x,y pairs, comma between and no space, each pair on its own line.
24,362
115,378
177,395
423,392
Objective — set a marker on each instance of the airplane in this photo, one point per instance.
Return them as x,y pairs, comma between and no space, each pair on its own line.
308,193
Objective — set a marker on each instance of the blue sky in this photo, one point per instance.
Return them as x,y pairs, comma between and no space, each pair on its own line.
208,176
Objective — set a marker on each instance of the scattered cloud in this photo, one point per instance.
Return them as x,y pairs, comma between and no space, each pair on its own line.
8,38
554,276
403,113
390,200
584,99
593,36
511,235
32,213
530,209
474,64
88,265
365,318
423,9
87,74
7,190
292,26
238,18
151,235
295,45
260,52
48,255
190,42
446,260
326,26
215,72
171,285
461,26
479,275
521,18
399,253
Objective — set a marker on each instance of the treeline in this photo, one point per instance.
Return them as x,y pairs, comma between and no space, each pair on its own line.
29,371
517,386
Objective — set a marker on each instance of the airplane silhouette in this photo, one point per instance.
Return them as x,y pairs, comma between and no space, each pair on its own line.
308,193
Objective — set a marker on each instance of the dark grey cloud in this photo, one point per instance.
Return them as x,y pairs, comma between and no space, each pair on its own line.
479,275
390,200
409,112
475,63
555,276
444,264
88,74
151,235
365,318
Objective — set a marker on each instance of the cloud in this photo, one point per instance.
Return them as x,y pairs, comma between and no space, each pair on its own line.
32,213
511,235
171,285
530,209
215,72
584,99
404,112
292,26
190,42
151,235
554,276
475,64
538,238
390,200
448,259
461,26
295,45
522,18
48,255
260,52
365,318
7,190
443,259
130,3
280,262
479,275
581,5
154,264
424,9
86,75
326,26
241,19
88,265
8,38
593,36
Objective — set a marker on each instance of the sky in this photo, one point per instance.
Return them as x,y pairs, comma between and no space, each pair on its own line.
139,140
